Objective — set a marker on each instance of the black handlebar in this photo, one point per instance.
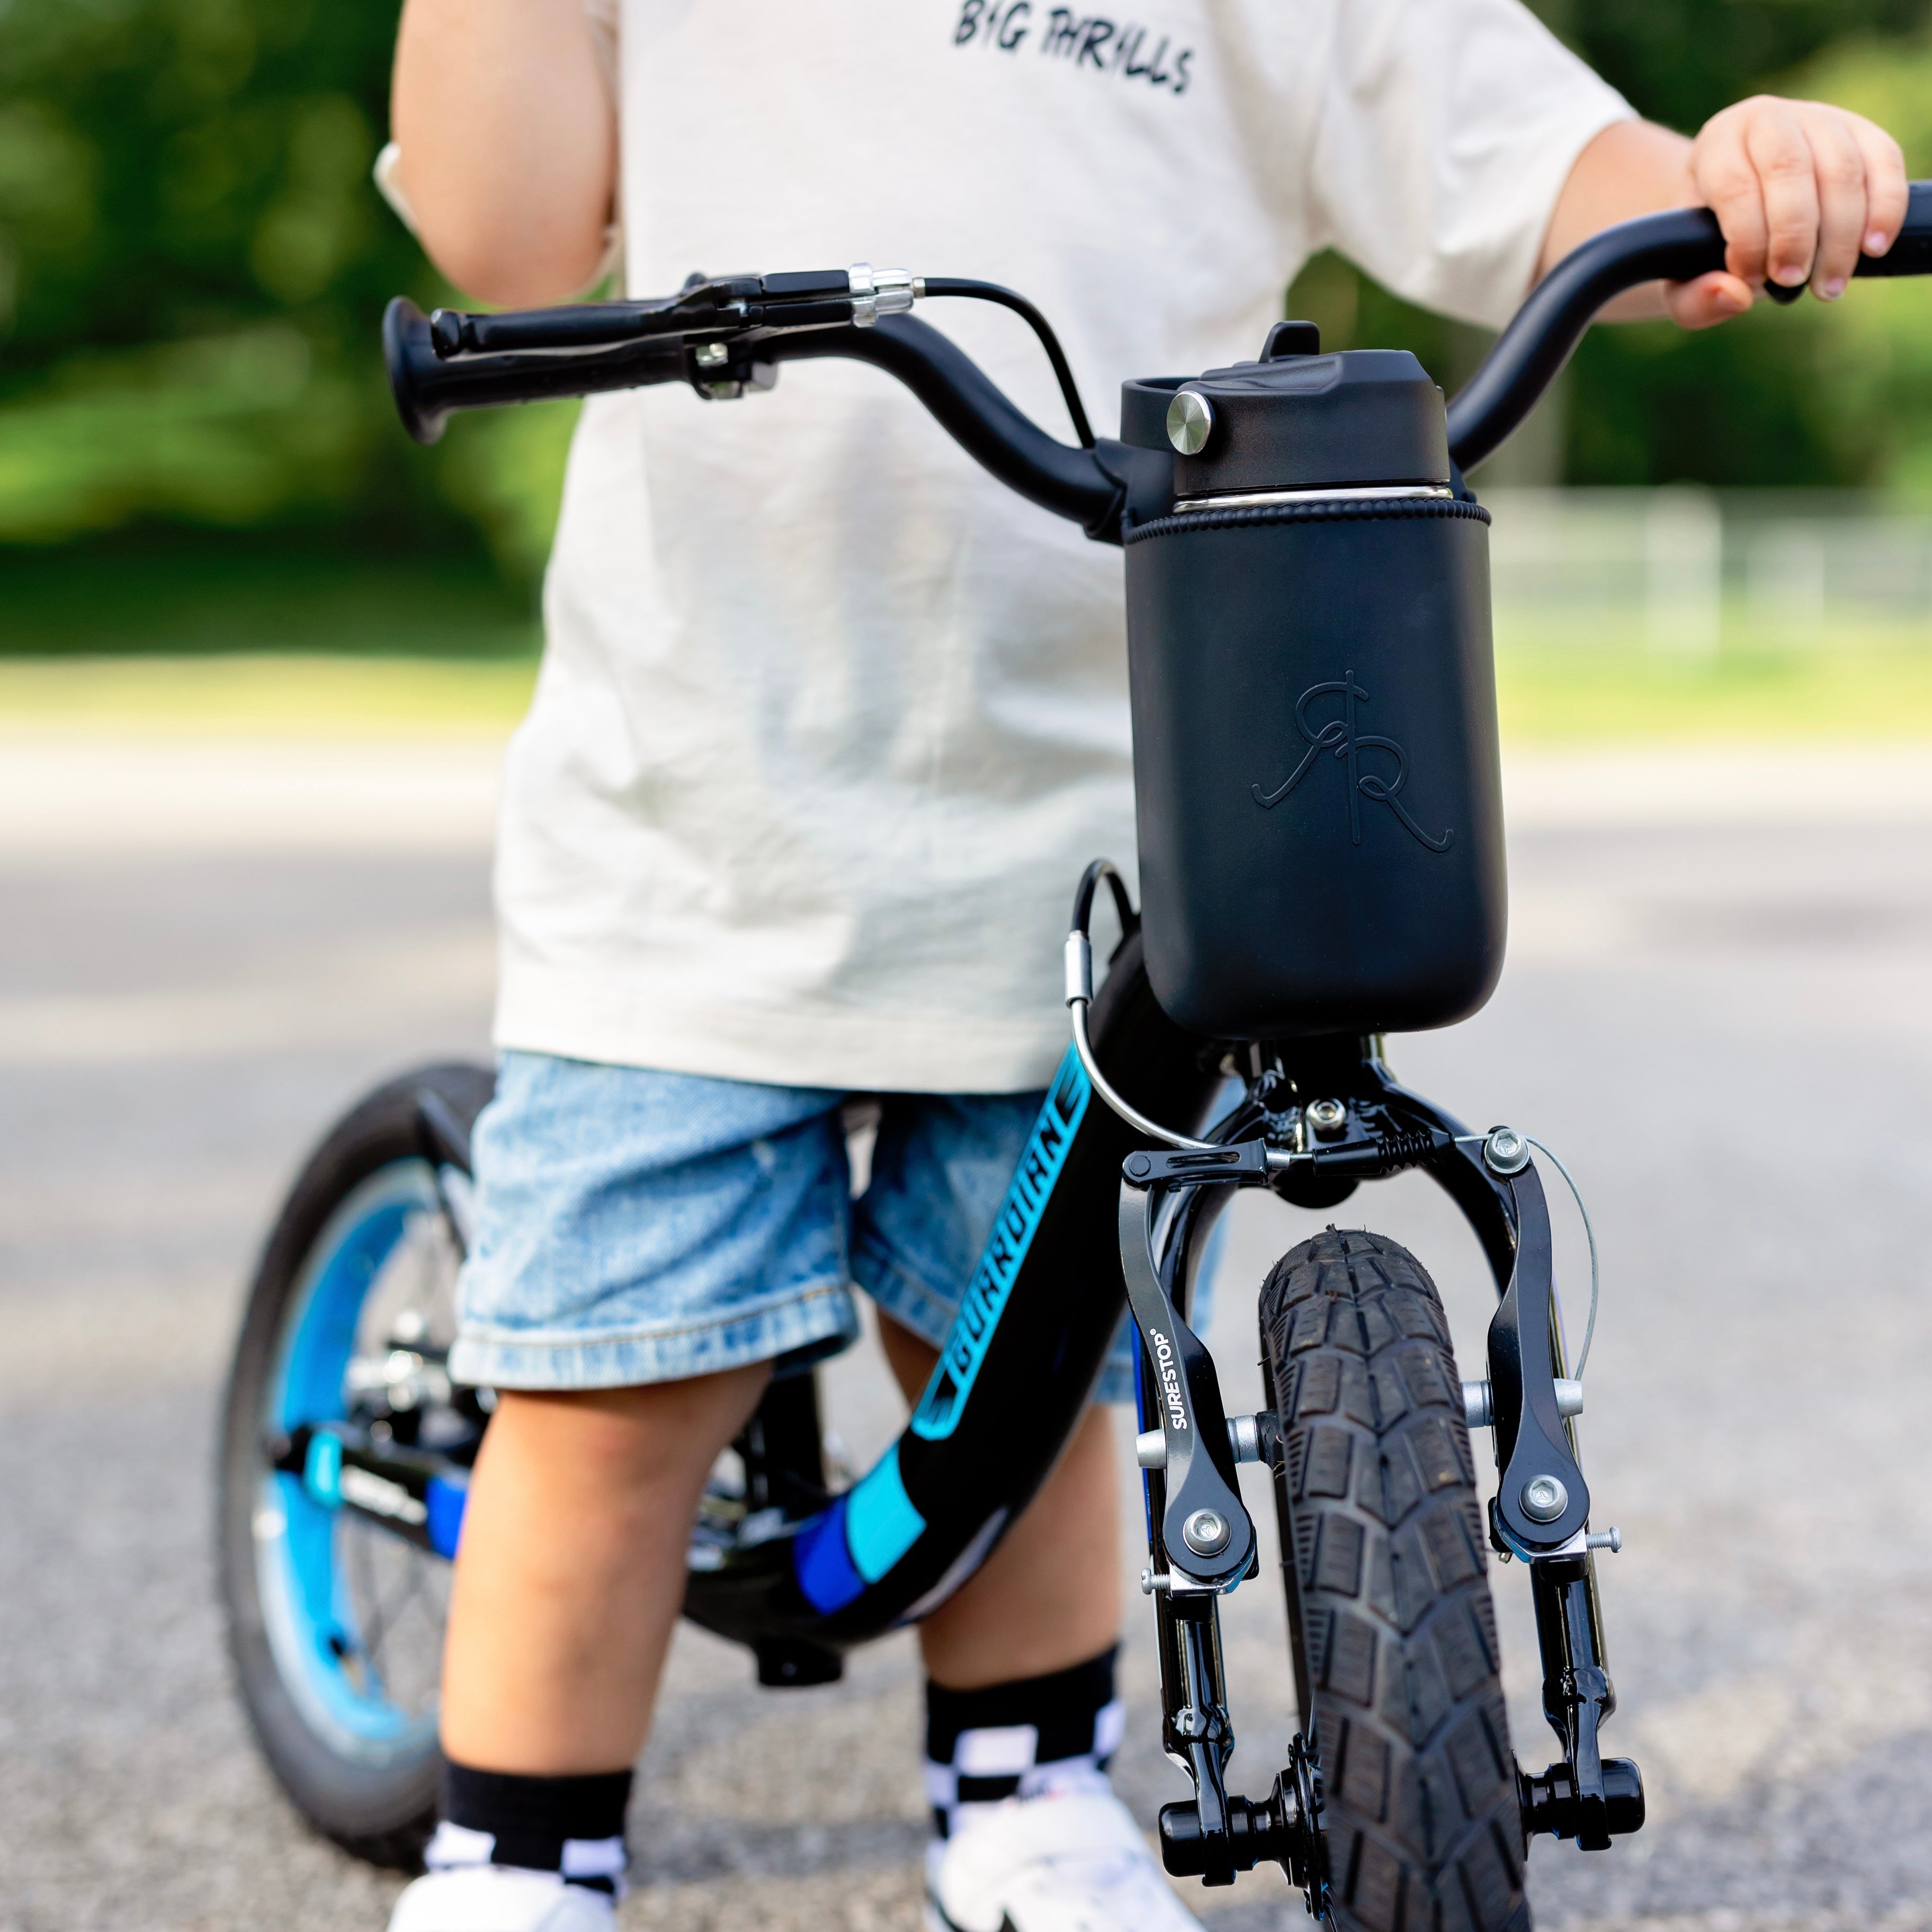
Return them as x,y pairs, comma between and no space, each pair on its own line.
979,416
1676,246
727,336
1086,484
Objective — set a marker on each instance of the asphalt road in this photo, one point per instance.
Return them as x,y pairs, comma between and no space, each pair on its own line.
1723,1027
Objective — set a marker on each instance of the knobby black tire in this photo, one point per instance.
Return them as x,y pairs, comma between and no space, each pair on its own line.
382,1814
1390,1617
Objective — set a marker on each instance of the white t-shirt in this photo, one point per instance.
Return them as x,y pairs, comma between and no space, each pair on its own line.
828,722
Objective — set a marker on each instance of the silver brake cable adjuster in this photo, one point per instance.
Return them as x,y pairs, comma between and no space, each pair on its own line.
877,292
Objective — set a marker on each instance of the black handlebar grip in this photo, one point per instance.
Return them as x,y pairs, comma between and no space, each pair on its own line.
426,388
410,358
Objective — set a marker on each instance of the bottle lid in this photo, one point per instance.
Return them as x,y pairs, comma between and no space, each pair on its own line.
1295,420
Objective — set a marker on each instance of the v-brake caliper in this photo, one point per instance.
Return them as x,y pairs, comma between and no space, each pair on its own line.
1202,1539
1540,1515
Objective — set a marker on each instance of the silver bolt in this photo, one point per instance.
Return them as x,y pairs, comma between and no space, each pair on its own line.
1479,1407
1544,1499
1206,1532
711,355
1150,1449
1505,1151
1328,1117
1190,421
1611,1539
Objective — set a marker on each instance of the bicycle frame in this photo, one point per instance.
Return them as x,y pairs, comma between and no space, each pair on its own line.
800,1575
1014,1375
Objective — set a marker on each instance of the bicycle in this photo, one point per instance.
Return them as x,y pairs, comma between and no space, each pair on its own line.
347,1446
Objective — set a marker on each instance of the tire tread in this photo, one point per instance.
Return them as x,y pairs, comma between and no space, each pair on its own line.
1389,1591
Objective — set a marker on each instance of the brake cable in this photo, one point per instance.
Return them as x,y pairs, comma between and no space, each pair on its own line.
991,292
1589,1235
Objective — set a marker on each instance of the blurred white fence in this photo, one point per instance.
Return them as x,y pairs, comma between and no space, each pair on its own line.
1687,572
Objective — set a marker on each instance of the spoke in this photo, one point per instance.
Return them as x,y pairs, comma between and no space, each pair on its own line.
390,1613
373,1620
357,1562
417,1280
427,1675
412,1588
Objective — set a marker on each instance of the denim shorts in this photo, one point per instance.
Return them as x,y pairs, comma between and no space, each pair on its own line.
633,1226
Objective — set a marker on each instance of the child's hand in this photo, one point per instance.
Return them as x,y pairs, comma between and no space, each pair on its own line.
1801,189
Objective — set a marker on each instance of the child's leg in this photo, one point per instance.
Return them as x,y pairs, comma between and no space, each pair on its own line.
1022,1715
1049,1596
572,1571
646,1245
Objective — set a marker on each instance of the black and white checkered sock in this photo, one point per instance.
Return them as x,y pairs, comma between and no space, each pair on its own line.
572,1826
1026,1739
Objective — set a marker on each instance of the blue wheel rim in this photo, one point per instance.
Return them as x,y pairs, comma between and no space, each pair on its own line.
308,1606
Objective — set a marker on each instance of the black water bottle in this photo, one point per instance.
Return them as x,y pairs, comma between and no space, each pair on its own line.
1318,791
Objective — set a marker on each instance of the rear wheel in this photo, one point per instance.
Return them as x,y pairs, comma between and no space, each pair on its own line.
1390,1617
334,1624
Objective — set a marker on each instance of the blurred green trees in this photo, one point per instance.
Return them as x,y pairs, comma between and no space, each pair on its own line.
192,265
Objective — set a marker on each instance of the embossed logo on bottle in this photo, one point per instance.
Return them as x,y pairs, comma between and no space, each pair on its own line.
1346,744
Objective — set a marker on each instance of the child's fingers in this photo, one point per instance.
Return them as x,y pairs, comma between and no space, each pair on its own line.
1727,181
1839,169
1787,169
1709,300
1888,192
1800,189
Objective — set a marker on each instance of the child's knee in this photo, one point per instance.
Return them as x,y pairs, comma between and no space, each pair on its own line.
638,1437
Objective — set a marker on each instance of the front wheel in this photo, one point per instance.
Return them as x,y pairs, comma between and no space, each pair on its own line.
1393,1633
335,1623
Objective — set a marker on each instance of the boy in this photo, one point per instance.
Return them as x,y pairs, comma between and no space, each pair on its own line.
826,726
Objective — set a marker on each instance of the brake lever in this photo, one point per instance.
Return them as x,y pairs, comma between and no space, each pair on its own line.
707,305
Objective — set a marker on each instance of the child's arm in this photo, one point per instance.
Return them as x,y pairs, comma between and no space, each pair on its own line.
1800,188
508,141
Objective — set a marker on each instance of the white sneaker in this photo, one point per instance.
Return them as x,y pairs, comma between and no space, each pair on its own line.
501,1898
1073,1863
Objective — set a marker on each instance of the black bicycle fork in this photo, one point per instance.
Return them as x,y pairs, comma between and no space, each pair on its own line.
1316,1122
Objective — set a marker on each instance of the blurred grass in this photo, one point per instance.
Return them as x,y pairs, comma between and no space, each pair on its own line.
184,633
264,693
1846,693
1545,699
